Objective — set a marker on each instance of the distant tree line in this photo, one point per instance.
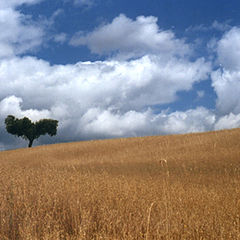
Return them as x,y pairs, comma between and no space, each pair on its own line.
29,130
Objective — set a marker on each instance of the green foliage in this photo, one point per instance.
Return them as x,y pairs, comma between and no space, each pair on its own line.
28,130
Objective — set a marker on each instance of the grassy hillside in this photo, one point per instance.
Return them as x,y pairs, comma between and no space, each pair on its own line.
166,187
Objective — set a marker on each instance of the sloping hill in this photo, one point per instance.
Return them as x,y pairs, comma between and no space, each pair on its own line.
161,187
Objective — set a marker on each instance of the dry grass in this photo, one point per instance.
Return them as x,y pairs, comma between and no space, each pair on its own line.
167,187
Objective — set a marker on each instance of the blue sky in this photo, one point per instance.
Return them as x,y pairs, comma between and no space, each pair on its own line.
116,68
178,15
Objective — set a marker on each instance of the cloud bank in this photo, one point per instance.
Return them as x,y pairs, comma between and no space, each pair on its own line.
89,98
226,80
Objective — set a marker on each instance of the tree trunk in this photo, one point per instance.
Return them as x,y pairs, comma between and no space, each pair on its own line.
30,143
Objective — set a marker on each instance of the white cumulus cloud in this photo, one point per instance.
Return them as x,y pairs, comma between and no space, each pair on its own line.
228,121
123,85
106,123
19,34
131,38
228,49
15,3
226,80
12,105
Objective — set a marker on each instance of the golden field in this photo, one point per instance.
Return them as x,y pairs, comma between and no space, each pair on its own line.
161,187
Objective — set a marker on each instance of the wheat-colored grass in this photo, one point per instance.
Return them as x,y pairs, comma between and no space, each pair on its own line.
166,187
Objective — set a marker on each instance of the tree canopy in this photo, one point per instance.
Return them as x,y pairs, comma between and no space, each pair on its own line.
29,130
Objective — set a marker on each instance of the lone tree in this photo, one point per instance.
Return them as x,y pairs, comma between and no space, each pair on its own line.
28,130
